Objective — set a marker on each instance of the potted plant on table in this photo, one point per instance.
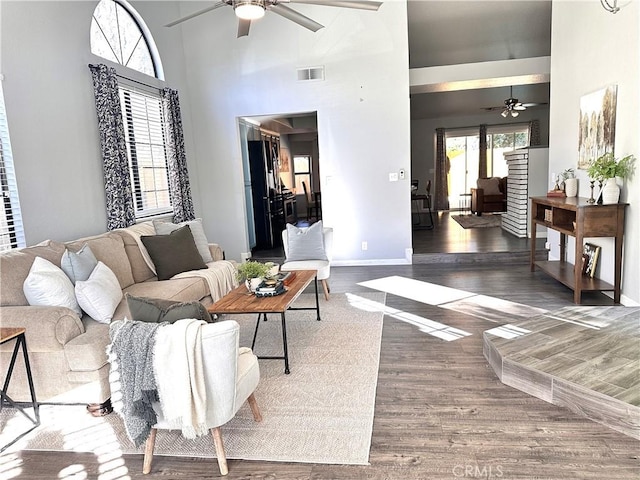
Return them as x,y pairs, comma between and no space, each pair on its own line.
606,169
252,273
570,182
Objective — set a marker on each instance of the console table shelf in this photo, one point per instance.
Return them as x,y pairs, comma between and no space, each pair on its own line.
577,218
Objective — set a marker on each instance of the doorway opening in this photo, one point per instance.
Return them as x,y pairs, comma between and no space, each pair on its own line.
280,160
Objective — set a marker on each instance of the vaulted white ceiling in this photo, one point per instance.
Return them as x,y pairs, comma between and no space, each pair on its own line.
469,31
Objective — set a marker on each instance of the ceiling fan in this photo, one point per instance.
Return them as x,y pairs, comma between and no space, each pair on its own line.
512,106
249,10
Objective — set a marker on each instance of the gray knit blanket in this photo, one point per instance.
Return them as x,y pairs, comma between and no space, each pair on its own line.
133,383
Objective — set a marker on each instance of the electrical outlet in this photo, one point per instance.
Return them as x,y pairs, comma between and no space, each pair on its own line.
393,177
365,245
402,174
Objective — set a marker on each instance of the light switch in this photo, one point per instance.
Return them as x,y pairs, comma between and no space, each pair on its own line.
393,177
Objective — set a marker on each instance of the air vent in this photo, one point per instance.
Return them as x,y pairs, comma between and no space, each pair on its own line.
310,73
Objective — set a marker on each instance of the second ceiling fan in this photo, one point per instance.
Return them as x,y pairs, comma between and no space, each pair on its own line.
512,106
249,10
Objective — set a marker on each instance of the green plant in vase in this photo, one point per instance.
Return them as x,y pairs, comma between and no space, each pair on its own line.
252,273
607,168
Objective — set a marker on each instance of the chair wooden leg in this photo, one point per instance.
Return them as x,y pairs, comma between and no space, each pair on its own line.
325,287
222,458
148,451
257,416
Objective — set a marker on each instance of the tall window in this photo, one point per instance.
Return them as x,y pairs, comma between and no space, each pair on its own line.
463,152
11,231
302,172
145,137
119,34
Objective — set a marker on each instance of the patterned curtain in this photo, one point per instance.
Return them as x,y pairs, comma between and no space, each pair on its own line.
482,167
115,165
534,132
176,158
442,172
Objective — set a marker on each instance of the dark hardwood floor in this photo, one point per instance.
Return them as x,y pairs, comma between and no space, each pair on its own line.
441,412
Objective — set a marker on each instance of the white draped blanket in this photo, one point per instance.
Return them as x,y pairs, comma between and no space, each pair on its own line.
179,372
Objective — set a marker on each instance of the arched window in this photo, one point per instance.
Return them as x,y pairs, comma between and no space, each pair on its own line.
119,34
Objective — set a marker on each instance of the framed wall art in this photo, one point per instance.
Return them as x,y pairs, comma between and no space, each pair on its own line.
597,129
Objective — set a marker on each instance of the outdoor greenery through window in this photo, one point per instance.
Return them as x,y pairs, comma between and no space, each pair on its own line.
11,230
145,137
463,152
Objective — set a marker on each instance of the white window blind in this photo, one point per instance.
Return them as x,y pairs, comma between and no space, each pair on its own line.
145,138
11,230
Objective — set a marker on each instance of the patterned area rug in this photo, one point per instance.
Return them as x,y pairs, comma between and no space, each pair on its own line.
321,413
473,221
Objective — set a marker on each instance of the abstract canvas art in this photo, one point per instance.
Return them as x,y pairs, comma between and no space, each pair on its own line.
597,125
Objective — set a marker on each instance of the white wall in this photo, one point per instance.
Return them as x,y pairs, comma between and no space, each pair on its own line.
51,111
590,49
362,109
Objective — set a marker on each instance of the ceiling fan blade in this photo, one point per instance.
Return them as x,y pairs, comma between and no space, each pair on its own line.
243,27
296,17
519,107
359,4
199,12
534,104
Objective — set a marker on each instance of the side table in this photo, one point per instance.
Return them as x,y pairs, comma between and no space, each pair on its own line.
17,334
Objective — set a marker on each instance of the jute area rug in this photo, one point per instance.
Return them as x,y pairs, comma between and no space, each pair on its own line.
321,413
487,220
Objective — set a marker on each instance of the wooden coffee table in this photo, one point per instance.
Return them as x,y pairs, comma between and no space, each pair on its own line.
240,300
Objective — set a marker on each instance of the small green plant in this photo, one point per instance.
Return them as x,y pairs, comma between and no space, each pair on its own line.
251,269
606,166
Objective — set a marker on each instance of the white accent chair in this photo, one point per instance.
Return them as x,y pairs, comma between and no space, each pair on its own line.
231,376
322,266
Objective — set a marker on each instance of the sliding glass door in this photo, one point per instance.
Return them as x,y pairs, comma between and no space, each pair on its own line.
463,154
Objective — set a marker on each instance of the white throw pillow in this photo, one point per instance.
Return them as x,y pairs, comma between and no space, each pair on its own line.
48,285
305,243
100,294
197,230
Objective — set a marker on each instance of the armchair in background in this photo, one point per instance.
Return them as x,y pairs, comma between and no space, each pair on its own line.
489,196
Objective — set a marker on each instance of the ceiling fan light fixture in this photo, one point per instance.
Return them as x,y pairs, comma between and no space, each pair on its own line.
249,9
505,113
514,113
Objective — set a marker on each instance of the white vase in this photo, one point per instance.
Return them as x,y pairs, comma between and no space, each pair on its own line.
571,187
610,192
252,284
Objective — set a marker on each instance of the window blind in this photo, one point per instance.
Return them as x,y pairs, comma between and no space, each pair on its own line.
145,137
11,229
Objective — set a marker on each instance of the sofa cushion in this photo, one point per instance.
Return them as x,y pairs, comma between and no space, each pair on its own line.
157,310
491,186
47,285
100,294
139,268
199,237
173,253
78,265
108,248
88,352
15,265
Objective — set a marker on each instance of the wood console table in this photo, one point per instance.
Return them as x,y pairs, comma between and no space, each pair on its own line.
577,218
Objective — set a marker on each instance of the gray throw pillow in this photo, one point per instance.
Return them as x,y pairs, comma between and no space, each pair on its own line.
78,265
174,253
491,186
165,228
305,243
157,310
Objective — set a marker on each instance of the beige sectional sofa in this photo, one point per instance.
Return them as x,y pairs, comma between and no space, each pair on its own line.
67,353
